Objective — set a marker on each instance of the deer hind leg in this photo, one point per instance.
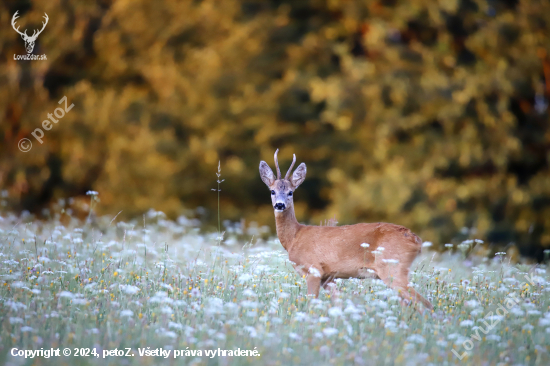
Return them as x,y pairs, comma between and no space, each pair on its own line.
396,276
393,280
417,297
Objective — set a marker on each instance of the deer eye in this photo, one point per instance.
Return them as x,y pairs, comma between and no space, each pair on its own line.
272,192
290,193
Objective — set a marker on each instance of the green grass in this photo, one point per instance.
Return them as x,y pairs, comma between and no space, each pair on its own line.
165,284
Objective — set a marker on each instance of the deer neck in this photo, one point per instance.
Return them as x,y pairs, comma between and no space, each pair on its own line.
287,226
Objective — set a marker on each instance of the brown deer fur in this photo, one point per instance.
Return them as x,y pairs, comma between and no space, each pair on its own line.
324,253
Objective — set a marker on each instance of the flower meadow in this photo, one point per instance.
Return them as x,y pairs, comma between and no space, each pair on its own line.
153,287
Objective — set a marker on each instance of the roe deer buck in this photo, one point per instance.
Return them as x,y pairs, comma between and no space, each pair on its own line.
324,253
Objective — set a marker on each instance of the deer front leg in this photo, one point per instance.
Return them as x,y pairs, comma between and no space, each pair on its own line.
313,285
331,288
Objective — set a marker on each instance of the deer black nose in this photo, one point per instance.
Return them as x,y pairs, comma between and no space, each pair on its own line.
279,206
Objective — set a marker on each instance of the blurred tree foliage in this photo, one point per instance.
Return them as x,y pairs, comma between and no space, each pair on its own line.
431,114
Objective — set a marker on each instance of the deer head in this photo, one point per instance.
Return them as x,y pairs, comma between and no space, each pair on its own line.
29,40
282,189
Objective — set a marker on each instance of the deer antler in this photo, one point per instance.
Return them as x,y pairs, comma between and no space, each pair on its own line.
277,165
13,24
43,26
291,165
34,34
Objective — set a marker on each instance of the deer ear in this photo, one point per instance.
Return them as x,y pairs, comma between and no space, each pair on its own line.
298,176
266,174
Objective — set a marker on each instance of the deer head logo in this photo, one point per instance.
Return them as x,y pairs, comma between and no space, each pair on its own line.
29,40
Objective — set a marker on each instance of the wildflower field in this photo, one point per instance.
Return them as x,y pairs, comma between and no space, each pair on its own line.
152,288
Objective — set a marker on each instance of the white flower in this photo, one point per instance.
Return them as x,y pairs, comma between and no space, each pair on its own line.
453,336
466,323
215,306
15,305
166,333
330,331
166,310
175,325
128,313
351,309
195,292
527,327
248,292
476,312
92,193
416,338
334,312
427,244
441,343
249,304
391,261
66,294
161,297
314,272
129,289
502,288
494,318
379,303
365,245
294,336
245,277
168,287
471,303
251,331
